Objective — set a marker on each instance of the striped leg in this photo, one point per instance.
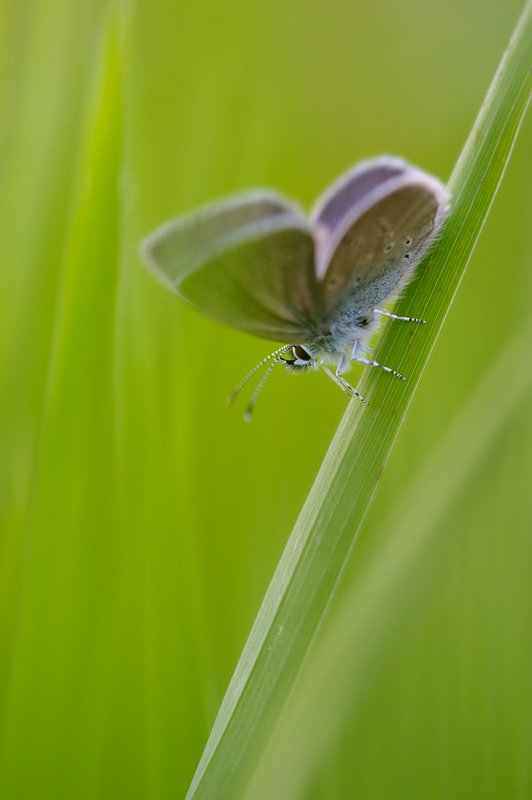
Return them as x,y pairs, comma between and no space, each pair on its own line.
394,316
343,384
367,363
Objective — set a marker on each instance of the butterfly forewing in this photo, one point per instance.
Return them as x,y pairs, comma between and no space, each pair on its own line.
179,246
262,282
249,263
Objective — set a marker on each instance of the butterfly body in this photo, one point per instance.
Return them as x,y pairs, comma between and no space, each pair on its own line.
255,262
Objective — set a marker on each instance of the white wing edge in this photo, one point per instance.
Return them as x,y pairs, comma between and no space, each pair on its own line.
357,169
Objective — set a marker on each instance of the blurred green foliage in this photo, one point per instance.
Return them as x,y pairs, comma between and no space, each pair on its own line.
140,519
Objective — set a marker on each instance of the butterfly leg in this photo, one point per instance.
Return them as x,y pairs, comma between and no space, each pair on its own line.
344,386
394,316
339,369
342,361
367,363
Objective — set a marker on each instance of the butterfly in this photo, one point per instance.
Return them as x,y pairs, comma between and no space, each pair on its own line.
320,284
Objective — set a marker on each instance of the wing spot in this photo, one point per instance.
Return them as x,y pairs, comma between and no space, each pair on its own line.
389,247
353,242
382,224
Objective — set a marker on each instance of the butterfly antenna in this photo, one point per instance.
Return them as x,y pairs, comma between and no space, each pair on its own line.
253,371
254,397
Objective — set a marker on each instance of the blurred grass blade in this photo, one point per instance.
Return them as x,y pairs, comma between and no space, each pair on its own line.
325,532
348,657
68,540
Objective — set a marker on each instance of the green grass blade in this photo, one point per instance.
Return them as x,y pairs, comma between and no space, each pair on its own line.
324,534
347,659
72,512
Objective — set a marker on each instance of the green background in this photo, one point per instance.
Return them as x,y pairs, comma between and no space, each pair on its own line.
140,519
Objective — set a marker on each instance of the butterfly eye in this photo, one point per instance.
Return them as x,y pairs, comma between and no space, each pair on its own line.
301,354
298,358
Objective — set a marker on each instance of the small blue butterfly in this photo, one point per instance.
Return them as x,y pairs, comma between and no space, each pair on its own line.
256,262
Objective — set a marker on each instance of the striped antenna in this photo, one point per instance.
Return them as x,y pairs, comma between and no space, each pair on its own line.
251,405
253,371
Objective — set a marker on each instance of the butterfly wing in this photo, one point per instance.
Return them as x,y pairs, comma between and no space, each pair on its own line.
349,190
247,262
367,248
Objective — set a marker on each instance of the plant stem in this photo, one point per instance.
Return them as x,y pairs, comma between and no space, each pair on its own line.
325,532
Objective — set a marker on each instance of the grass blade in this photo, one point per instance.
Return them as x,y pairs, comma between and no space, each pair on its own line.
345,665
325,532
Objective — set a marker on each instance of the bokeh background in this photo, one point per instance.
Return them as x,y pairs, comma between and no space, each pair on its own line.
140,519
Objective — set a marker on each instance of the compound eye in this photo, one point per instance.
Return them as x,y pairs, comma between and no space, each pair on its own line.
300,353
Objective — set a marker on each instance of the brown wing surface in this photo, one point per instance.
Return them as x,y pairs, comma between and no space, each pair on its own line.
382,238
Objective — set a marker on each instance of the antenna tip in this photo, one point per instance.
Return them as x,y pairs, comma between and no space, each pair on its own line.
248,416
229,399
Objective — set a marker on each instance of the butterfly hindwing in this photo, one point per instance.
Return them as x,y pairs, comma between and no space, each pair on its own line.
380,240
